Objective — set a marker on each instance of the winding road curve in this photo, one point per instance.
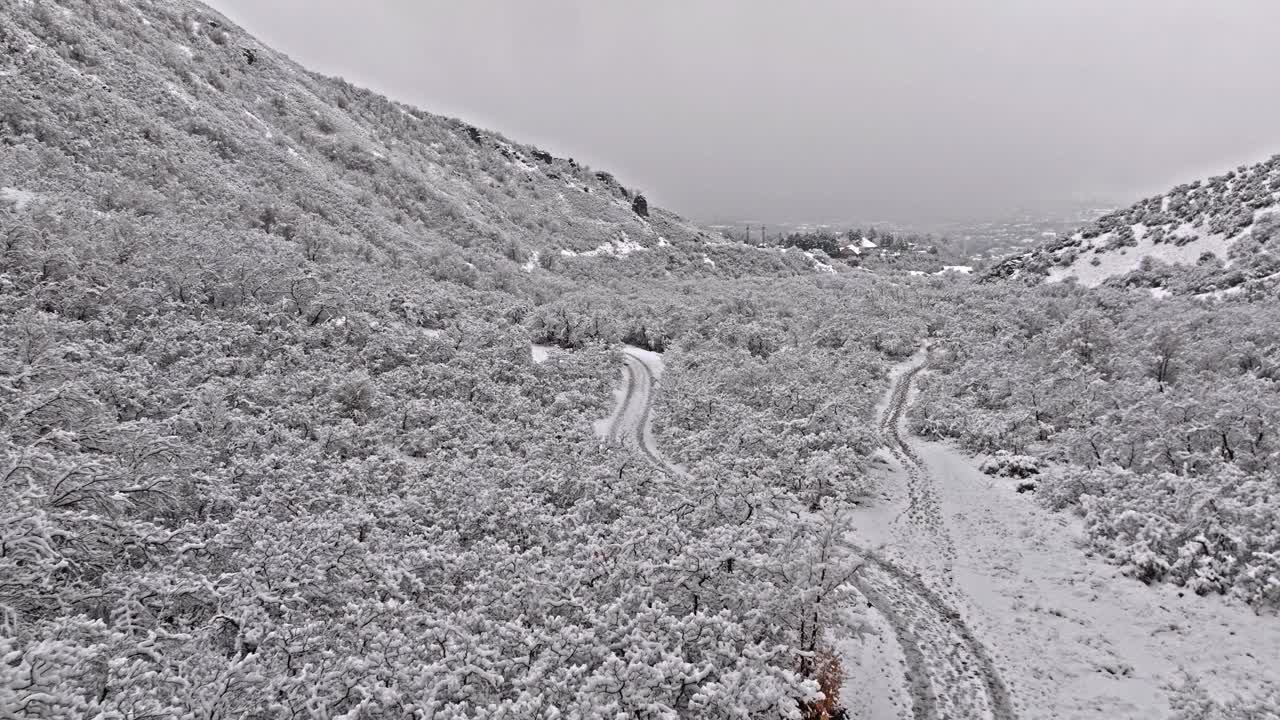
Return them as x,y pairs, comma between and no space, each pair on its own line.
630,424
949,672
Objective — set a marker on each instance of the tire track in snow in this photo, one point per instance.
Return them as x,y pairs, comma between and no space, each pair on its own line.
628,397
924,510
950,673
632,421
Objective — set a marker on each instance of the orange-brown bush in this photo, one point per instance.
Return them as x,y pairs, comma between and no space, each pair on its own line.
827,670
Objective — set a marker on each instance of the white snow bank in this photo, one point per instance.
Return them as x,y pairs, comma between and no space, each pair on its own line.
615,248
15,198
819,265
540,353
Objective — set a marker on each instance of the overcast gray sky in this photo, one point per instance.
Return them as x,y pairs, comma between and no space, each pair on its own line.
828,109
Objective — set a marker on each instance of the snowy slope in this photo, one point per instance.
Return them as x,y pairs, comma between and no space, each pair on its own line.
1097,259
153,107
1199,237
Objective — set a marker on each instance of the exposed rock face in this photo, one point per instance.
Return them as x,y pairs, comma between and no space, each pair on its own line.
640,206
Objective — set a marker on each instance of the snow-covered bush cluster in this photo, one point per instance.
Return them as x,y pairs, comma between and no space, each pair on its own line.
771,423
1218,533
242,483
1006,464
1160,416
1190,700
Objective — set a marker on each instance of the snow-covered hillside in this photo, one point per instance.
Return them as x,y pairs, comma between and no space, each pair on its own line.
1207,236
169,106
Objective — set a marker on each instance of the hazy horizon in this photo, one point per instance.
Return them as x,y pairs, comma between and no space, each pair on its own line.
827,111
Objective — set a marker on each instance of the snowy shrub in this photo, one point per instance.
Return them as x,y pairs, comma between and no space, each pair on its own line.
1064,488
1006,464
1218,533
1191,701
1266,229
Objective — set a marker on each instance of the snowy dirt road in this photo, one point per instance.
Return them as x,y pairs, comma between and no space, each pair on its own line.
948,672
630,422
1060,634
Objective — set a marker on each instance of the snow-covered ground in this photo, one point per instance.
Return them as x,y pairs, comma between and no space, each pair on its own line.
875,673
614,248
906,584
1078,639
1069,635
1118,261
